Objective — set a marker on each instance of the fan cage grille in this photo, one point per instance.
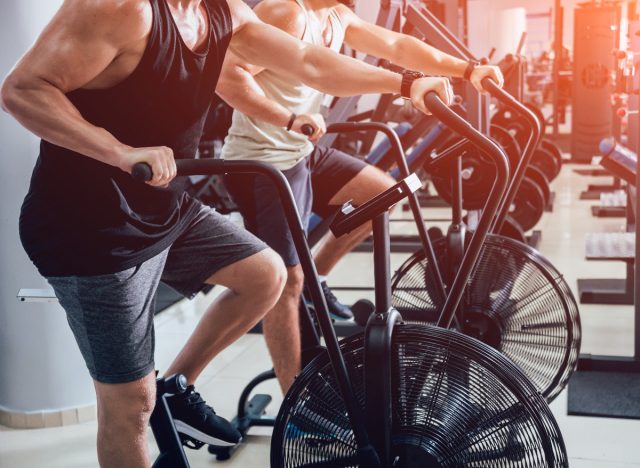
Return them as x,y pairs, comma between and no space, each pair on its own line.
516,289
454,398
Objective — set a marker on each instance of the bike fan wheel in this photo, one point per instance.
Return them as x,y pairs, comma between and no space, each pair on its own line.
515,301
456,402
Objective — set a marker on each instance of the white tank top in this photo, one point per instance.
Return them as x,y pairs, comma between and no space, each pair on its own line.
249,138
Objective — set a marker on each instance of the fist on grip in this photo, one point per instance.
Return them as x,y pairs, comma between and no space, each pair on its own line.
142,172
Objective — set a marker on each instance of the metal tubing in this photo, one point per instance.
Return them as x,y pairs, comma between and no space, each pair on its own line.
414,204
456,192
459,125
381,262
212,167
527,153
167,438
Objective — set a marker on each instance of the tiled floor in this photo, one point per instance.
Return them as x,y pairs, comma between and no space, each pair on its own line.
591,442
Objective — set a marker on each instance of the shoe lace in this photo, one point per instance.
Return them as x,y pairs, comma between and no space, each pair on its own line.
328,293
194,400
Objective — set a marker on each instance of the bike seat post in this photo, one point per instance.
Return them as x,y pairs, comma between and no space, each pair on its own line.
381,263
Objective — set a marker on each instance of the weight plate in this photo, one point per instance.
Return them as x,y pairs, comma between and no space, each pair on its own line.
528,205
546,162
539,178
514,123
478,171
508,142
554,150
538,112
513,230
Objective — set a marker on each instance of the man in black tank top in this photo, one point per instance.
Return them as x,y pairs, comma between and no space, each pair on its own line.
109,84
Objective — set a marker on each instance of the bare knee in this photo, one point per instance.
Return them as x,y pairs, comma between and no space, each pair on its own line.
295,282
126,408
267,279
287,307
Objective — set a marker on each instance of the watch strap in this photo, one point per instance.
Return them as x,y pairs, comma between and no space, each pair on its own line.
408,77
469,70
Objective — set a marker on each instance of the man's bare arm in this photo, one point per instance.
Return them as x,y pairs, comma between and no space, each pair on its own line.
266,46
238,87
78,45
237,84
73,52
407,51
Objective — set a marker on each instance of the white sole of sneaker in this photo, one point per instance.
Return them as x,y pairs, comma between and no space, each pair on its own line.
185,429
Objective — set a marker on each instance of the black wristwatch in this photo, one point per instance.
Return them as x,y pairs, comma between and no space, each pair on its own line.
469,70
408,77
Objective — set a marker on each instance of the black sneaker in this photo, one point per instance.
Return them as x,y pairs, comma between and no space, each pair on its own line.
196,420
336,308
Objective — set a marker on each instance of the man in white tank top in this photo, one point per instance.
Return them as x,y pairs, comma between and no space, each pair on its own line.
271,109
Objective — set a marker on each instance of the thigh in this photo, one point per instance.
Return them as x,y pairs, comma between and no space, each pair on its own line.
211,243
338,177
111,317
262,209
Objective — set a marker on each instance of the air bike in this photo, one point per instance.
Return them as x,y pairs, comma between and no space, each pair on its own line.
515,300
399,394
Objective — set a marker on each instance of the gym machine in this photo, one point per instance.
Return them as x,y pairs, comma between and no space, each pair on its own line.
417,391
597,33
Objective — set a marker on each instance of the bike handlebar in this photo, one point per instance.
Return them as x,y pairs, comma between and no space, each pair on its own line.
456,123
527,152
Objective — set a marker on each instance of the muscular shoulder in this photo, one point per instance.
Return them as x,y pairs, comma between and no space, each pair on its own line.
120,21
283,14
347,15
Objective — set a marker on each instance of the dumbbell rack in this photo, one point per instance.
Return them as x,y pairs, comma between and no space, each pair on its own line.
601,385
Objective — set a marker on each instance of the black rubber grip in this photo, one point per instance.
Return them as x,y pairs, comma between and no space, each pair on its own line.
142,172
490,85
440,110
307,129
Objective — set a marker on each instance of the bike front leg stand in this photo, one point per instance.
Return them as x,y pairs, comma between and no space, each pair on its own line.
164,429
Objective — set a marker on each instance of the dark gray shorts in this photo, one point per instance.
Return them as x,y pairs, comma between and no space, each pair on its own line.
313,181
111,315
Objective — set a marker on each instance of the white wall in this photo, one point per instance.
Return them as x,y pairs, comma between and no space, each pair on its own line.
479,10
495,28
40,366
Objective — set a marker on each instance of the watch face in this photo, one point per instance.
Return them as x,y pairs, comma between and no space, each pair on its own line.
413,74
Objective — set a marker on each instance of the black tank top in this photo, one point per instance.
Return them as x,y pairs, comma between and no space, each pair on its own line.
84,217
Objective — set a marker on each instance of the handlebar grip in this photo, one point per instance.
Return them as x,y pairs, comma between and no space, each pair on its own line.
490,85
308,130
142,172
440,110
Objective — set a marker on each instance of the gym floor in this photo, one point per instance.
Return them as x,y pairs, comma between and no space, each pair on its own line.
591,442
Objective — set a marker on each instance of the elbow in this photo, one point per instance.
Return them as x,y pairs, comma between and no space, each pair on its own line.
9,94
316,74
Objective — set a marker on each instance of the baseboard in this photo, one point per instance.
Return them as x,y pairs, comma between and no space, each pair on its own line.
44,419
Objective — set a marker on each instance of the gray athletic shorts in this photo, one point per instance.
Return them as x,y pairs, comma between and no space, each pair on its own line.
111,315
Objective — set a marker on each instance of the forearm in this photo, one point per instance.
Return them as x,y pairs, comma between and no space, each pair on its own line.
47,112
238,88
342,76
315,66
413,54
